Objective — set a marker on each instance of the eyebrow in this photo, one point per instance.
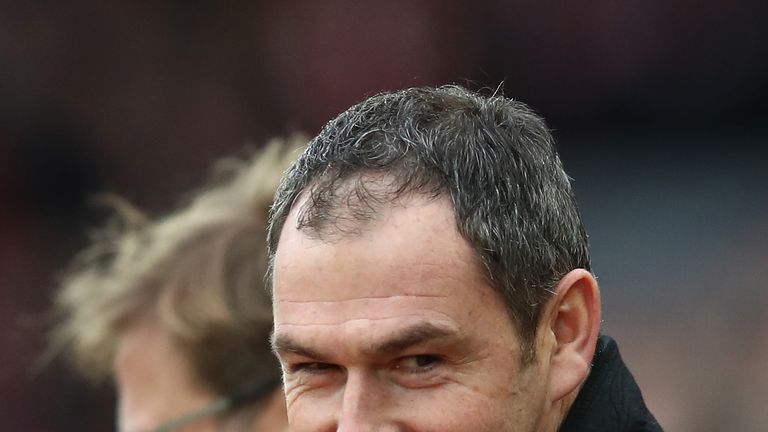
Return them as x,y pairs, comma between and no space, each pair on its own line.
414,335
282,343
408,337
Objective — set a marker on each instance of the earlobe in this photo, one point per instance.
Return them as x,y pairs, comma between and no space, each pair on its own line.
573,317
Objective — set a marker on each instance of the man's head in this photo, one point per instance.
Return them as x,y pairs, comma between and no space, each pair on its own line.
430,270
175,308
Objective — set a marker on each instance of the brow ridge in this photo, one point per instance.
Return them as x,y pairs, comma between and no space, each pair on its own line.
413,335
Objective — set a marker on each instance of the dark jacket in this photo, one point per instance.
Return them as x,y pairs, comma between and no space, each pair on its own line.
610,400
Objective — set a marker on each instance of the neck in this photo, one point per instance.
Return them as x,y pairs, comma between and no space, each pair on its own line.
561,409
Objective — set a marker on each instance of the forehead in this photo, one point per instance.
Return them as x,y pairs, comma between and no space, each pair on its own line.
411,264
416,233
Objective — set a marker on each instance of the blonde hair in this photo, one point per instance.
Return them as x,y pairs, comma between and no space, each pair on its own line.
198,271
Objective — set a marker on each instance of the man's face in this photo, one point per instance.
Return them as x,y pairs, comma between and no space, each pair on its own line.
396,329
155,383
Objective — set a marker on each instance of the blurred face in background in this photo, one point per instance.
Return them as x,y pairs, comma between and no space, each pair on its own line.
397,329
155,383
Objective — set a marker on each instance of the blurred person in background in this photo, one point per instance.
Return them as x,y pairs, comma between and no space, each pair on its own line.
174,309
430,272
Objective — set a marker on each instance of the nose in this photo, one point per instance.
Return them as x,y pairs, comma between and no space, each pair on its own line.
363,405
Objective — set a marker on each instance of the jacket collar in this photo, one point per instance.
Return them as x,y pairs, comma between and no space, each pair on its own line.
610,399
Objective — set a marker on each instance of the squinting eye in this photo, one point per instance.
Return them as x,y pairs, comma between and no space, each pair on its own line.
418,363
313,367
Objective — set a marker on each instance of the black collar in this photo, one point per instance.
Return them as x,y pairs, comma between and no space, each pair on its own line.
610,400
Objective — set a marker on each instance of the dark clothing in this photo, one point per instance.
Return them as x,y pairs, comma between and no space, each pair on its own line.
610,400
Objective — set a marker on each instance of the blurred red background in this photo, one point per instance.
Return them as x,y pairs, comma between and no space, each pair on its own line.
659,109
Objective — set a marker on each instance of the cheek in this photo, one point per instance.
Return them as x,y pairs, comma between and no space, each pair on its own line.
308,412
449,409
488,402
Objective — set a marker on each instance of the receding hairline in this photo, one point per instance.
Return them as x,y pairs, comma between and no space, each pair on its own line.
359,200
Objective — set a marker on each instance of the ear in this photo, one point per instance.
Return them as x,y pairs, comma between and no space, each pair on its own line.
573,317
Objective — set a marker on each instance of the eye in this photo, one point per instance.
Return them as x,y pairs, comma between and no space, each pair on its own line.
418,363
311,367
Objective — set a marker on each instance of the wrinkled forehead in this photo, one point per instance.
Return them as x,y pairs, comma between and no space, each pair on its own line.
413,248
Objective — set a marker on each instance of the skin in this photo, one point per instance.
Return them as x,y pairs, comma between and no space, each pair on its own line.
397,329
155,384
